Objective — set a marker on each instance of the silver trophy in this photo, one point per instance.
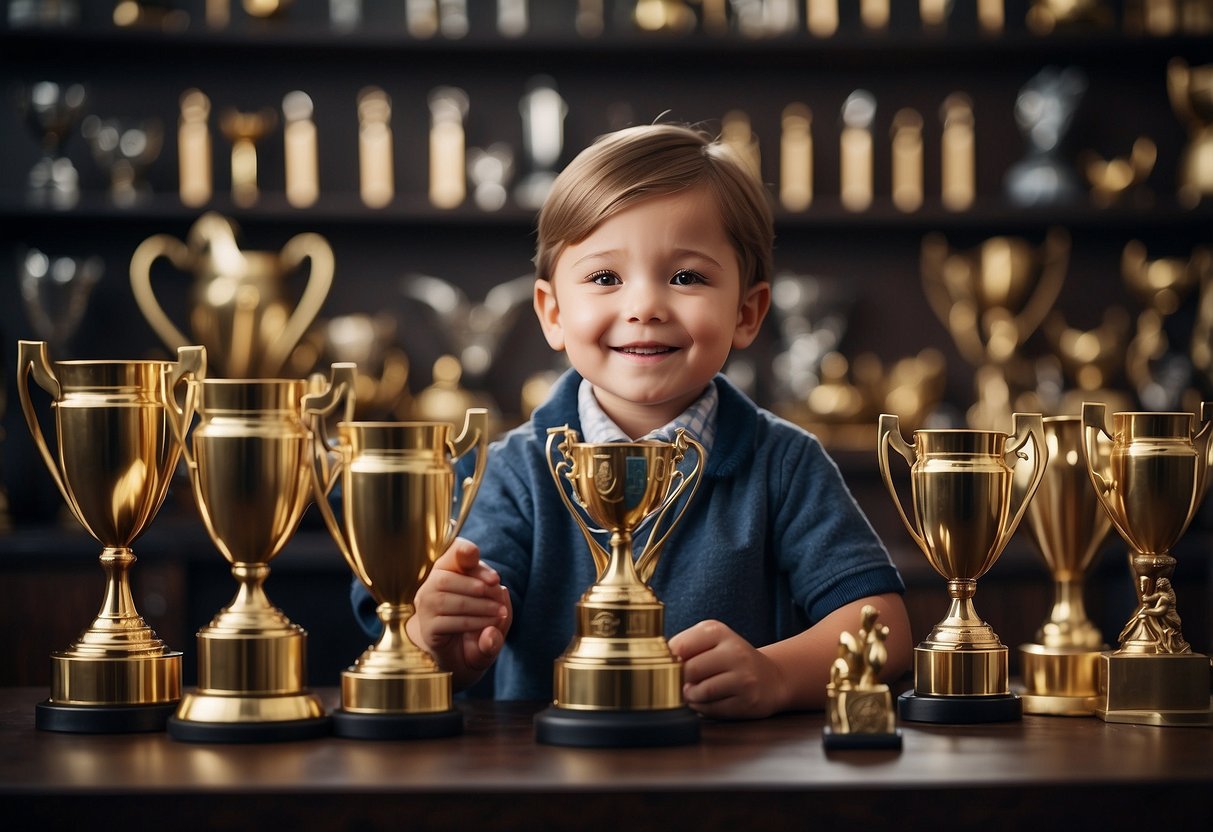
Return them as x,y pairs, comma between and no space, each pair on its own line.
53,111
1044,112
55,292
543,111
125,149
811,315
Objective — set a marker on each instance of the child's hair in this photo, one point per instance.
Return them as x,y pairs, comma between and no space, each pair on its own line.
630,164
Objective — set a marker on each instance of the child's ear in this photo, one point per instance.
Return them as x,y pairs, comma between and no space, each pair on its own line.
754,306
548,312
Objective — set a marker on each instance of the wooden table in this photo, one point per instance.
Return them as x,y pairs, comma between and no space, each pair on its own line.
766,774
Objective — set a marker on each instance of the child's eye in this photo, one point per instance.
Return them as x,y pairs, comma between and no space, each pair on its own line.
603,278
686,277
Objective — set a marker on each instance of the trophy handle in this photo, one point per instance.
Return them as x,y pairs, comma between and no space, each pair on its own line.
1203,440
191,366
1095,425
559,470
646,564
32,358
154,247
320,279
475,434
890,436
1055,259
1028,426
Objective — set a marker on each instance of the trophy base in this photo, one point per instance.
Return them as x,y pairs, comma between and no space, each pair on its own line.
102,719
1059,682
1044,704
362,726
247,717
245,732
844,741
1163,689
958,710
116,682
616,729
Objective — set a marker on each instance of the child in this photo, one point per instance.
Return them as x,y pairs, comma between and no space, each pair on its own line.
653,262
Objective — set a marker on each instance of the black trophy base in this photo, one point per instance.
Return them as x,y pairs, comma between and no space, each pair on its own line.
959,710
248,732
102,719
838,741
362,726
616,729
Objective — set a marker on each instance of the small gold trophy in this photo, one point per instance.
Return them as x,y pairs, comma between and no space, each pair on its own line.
1150,472
617,683
962,484
1190,89
397,486
114,463
250,460
1069,525
859,709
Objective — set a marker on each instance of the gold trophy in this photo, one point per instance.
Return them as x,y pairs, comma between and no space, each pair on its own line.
617,683
239,308
397,486
115,460
1150,472
1190,89
859,709
249,460
962,484
1068,524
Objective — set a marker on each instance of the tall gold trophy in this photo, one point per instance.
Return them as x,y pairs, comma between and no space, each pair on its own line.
962,484
249,459
1061,667
397,487
1150,471
115,460
617,683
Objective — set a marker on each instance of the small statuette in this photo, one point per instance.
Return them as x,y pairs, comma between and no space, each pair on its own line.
858,707
299,151
958,167
194,149
855,176
796,158
375,175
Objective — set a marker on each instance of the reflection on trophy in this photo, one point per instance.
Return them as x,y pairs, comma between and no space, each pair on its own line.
249,461
859,709
617,683
1150,472
543,111
1121,178
238,308
397,488
966,507
56,292
244,130
1191,93
125,151
53,111
113,465
1044,111
1069,525
381,387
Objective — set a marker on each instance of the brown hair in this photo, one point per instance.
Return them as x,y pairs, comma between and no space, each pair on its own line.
622,167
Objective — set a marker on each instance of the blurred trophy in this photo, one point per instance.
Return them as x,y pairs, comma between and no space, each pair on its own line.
368,341
489,171
249,461
1060,669
1047,16
125,150
859,709
55,292
1150,471
114,462
617,683
1121,178
966,507
53,111
811,317
397,489
1044,112
244,130
1191,93
238,307
543,111
1091,359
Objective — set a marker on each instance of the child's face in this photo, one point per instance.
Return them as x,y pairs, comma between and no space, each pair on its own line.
649,305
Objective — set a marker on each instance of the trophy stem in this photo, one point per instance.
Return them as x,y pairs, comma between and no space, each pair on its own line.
620,569
118,628
1155,627
395,652
1068,625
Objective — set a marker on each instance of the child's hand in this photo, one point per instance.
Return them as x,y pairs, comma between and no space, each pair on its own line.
463,613
724,676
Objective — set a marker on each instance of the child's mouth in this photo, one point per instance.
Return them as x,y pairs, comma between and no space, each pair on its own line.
645,351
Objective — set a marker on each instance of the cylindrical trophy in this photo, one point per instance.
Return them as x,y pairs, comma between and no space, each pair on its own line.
965,511
618,683
1150,471
397,489
249,459
1061,666
116,456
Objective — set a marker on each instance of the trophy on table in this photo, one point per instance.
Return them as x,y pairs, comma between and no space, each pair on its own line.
966,507
1044,111
238,307
1191,92
249,461
114,462
125,149
859,709
618,683
1150,472
397,488
53,111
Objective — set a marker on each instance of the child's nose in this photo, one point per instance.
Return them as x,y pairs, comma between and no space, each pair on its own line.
646,302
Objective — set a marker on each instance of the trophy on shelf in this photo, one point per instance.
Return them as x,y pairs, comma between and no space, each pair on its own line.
1044,111
249,461
1150,472
489,170
1090,358
966,507
811,315
543,111
1060,668
617,683
859,709
244,130
115,459
53,111
125,150
238,307
397,488
368,341
1122,178
1047,16
55,292
448,155
1191,92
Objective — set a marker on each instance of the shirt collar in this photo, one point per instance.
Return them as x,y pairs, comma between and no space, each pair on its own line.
699,419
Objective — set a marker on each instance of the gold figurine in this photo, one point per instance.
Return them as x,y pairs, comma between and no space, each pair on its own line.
859,709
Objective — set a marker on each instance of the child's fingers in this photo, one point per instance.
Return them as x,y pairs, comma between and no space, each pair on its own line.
465,555
698,639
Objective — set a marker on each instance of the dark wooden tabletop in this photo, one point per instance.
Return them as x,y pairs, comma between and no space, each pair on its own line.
764,774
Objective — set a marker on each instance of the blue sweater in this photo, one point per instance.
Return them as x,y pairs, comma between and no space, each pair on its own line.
772,543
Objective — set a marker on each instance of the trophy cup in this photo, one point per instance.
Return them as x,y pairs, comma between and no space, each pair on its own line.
53,111
125,150
1191,93
1068,524
249,460
617,683
397,486
1121,178
114,462
244,130
1044,111
1150,472
859,709
962,485
238,305
55,292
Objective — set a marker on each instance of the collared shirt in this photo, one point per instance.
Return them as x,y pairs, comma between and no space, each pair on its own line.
699,419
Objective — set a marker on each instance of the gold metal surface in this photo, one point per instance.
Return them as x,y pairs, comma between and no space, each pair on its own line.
958,160
619,658
194,182
113,465
796,158
855,701
376,174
